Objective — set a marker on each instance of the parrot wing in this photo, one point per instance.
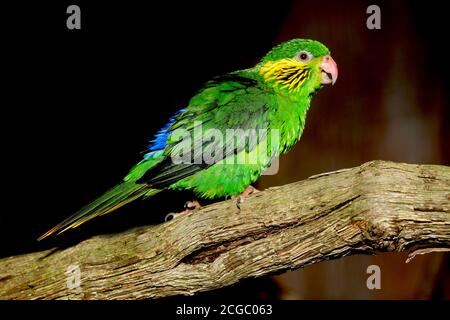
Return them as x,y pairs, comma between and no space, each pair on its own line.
233,101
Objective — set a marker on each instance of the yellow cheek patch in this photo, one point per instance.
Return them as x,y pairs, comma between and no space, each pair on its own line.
288,73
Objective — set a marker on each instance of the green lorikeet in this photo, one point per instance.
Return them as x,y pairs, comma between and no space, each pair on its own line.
213,146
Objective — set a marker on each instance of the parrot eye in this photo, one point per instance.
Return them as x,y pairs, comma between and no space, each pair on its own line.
303,56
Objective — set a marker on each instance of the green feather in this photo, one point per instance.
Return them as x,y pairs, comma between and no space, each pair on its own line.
273,96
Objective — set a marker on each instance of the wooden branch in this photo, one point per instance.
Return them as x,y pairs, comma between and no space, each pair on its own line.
377,207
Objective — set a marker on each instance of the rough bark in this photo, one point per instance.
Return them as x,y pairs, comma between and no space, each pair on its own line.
377,207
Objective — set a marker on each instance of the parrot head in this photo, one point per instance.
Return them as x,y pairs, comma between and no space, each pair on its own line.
299,66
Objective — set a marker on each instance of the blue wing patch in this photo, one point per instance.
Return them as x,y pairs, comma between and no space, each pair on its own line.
159,143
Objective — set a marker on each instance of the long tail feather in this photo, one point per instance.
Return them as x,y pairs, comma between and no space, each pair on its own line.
110,201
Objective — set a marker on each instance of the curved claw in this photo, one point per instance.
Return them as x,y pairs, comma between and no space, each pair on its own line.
188,206
173,215
170,216
248,191
192,205
239,201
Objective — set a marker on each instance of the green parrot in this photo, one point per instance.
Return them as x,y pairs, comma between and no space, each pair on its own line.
213,146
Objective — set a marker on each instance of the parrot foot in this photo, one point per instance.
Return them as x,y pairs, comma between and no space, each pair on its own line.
248,191
189,206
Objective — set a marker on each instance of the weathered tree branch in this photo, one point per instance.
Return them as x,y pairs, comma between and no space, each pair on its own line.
377,207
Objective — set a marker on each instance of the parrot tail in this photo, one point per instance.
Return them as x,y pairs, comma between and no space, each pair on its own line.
113,199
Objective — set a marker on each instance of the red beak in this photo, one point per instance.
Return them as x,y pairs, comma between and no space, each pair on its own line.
329,70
